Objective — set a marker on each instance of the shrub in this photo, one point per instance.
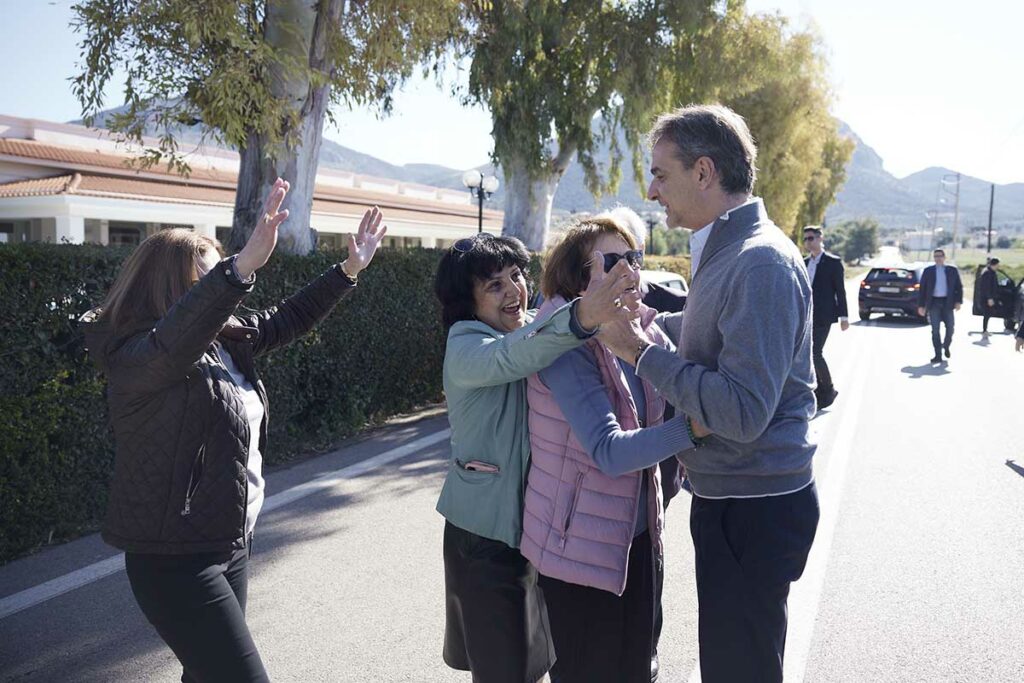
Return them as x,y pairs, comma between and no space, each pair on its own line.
379,353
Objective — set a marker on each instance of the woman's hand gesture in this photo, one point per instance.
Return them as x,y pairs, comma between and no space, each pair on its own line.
264,236
611,295
363,245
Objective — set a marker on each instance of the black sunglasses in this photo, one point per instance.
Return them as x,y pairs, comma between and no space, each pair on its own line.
634,258
810,238
467,244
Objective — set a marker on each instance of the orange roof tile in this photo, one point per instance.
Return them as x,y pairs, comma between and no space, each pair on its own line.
201,182
83,184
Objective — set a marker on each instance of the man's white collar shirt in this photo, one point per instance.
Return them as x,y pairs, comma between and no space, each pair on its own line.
812,265
699,238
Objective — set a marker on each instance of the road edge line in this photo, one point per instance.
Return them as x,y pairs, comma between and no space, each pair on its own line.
30,597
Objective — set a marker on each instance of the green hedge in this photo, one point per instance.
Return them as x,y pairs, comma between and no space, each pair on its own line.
378,354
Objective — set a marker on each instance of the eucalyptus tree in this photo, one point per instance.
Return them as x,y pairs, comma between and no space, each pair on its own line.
561,79
259,75
775,77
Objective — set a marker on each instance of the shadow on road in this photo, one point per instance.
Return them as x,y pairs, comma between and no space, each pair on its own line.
1015,467
930,370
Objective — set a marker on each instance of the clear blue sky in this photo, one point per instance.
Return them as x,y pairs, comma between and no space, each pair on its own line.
924,82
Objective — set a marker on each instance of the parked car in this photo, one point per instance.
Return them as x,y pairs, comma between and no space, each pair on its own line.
666,279
891,290
1008,303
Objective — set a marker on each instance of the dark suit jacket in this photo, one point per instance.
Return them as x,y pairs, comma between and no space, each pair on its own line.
828,290
954,288
664,299
987,286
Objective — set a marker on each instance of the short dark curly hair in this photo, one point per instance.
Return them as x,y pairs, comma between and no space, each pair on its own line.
469,261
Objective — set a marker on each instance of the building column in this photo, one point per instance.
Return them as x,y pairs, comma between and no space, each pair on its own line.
104,231
70,229
429,242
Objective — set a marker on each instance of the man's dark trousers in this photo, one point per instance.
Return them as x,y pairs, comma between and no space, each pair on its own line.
819,333
747,552
939,312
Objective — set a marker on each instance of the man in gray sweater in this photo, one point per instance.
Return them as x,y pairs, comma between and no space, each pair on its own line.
744,376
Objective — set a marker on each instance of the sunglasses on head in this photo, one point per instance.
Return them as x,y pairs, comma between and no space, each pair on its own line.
467,244
635,259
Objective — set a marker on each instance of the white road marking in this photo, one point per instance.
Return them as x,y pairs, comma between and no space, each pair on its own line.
805,594
30,597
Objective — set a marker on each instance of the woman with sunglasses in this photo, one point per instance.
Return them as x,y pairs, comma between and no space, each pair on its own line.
495,618
592,524
189,414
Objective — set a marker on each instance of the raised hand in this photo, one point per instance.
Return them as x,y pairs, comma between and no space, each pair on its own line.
611,295
264,236
363,245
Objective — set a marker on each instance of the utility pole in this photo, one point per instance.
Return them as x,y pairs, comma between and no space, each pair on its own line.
956,213
991,203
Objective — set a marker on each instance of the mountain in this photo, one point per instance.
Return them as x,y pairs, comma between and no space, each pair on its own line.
901,203
869,192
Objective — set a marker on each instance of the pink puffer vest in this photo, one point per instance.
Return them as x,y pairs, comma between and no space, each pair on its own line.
578,522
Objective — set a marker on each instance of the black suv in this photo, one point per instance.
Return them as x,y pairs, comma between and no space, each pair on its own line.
891,290
1007,299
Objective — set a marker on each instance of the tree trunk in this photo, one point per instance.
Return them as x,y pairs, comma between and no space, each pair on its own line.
529,196
298,30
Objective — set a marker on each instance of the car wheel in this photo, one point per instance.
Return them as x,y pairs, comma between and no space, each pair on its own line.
865,316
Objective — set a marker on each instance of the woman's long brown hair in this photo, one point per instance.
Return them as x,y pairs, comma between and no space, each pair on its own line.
158,273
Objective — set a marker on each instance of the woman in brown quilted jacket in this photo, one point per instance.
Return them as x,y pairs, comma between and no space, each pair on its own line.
190,426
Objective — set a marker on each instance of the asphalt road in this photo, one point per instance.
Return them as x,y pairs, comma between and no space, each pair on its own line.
916,574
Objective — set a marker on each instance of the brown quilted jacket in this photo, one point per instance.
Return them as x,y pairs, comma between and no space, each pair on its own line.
180,430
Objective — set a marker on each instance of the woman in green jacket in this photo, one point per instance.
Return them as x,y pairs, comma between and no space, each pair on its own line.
496,621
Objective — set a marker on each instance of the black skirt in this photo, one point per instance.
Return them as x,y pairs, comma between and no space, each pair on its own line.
601,637
496,622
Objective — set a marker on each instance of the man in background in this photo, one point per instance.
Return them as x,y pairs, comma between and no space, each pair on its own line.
988,285
942,292
828,286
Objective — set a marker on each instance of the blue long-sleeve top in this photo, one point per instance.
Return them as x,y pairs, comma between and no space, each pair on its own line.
575,382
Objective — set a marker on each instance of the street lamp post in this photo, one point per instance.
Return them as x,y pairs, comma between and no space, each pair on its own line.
652,218
481,187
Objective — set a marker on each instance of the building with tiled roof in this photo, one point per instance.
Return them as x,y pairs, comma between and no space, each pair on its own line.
68,183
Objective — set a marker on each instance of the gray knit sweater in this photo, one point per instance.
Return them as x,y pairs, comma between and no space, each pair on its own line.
744,363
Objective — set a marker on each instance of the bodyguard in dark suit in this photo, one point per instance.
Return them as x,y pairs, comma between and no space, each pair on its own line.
941,295
828,287
988,286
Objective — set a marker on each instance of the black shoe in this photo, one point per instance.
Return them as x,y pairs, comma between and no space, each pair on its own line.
946,349
937,359
828,400
655,668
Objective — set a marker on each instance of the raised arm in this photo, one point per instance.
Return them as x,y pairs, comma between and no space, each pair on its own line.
575,382
475,358
301,312
762,323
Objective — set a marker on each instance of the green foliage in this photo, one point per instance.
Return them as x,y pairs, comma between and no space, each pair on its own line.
670,242
228,66
546,68
1003,242
776,79
853,240
680,265
379,353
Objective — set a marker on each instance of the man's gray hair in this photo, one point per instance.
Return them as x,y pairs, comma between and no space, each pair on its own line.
630,220
716,132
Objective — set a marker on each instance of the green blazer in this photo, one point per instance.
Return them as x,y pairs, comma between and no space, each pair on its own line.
485,375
